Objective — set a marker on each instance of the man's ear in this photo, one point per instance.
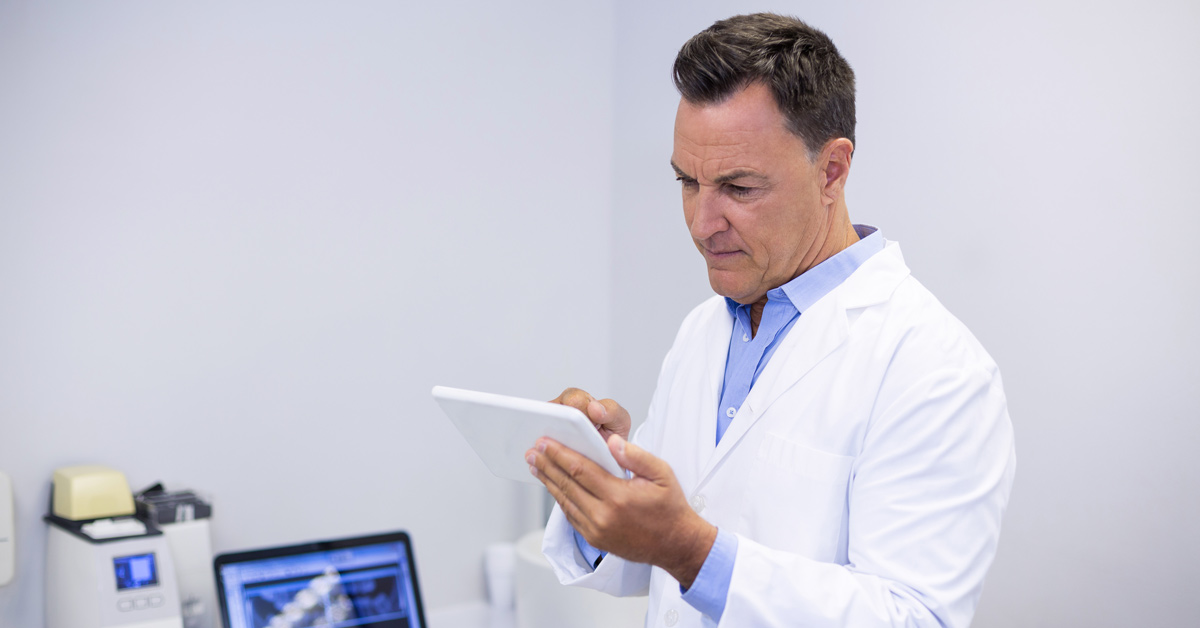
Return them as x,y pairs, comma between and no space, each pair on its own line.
835,169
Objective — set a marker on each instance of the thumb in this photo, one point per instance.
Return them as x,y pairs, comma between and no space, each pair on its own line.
635,459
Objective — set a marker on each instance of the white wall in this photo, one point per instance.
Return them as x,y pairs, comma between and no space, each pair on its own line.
1037,161
240,242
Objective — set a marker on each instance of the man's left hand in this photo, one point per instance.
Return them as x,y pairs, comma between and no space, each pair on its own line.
644,519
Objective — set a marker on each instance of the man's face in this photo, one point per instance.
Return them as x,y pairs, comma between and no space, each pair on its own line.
751,198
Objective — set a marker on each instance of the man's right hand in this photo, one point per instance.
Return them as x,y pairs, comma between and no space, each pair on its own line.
607,415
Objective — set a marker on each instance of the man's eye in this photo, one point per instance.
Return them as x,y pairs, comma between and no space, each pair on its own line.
686,180
739,190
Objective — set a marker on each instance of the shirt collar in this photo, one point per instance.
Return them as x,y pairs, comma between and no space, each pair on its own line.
816,282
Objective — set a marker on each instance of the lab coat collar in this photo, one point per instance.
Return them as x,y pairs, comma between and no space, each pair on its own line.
820,330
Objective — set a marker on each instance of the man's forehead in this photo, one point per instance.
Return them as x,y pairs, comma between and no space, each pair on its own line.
706,162
722,147
743,131
726,132
752,109
719,150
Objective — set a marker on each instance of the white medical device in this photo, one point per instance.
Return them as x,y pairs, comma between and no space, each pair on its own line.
105,567
183,517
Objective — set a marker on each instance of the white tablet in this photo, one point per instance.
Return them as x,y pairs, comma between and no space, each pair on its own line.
501,429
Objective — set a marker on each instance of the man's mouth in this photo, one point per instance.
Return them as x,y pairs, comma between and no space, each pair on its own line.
720,255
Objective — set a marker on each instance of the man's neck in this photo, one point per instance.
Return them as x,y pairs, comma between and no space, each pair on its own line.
839,240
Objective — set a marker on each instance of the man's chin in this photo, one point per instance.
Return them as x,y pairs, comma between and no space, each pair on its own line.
727,289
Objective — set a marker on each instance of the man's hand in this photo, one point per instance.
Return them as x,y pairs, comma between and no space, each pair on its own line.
607,415
644,519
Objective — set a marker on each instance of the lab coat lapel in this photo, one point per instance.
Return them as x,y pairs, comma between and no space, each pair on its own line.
815,335
818,332
713,366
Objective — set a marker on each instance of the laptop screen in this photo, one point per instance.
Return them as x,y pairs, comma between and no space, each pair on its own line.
368,582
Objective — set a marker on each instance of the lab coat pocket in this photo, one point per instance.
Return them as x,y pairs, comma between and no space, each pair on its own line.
796,498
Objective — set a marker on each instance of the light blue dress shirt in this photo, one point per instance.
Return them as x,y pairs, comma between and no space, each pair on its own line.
748,356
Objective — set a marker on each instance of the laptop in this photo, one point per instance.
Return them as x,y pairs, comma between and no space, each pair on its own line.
366,581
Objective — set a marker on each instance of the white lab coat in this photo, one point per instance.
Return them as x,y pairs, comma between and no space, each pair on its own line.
865,475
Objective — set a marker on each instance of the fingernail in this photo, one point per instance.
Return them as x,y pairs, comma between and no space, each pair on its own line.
541,445
620,444
530,459
533,470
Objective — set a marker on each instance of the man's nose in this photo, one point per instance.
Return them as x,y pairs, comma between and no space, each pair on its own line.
708,215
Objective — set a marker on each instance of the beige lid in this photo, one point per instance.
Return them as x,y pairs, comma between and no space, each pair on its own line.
91,492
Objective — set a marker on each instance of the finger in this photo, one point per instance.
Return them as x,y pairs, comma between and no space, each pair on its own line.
610,416
575,398
576,516
597,412
547,472
637,460
572,474
598,415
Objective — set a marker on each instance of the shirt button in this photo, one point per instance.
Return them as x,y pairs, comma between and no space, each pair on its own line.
730,412
671,618
698,503
745,337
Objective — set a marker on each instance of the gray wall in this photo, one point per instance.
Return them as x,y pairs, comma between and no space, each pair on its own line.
237,246
239,243
1037,162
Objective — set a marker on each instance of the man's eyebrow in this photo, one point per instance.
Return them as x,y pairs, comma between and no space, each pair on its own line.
678,171
739,174
725,178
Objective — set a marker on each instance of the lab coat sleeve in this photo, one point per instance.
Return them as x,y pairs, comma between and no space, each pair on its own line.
925,501
614,575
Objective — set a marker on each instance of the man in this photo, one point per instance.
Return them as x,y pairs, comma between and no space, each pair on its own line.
827,445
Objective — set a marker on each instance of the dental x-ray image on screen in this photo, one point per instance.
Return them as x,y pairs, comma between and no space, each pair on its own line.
367,582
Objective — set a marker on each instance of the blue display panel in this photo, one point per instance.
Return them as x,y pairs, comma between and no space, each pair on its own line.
135,572
368,586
